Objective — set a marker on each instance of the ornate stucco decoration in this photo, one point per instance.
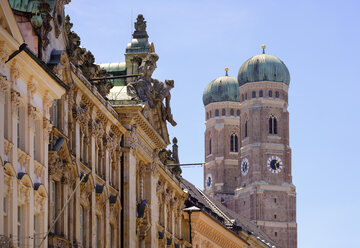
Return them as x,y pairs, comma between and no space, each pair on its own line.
4,52
80,113
47,127
8,146
15,71
153,93
16,99
4,84
34,113
32,87
143,223
132,138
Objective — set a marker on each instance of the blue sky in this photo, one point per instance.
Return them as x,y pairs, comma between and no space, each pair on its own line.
319,41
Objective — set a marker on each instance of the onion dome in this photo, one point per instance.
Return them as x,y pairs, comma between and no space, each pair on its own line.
263,67
222,89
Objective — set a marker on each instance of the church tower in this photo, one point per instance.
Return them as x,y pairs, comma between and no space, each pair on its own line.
264,192
221,100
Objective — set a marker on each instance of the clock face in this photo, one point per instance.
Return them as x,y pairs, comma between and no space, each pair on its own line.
208,181
274,164
244,166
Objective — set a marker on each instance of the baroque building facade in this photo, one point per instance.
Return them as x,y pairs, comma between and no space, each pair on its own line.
83,146
248,157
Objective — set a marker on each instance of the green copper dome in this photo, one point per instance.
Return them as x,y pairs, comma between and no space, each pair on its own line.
221,89
263,67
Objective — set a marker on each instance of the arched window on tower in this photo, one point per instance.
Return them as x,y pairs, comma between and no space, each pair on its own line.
260,93
223,112
234,143
246,128
217,112
210,146
207,115
272,125
231,112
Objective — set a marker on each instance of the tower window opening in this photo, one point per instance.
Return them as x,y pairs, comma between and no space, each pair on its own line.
231,112
244,203
207,115
242,97
260,93
245,96
253,94
223,112
217,112
234,143
274,200
272,125
275,234
210,114
238,112
246,129
270,93
277,94
275,216
210,146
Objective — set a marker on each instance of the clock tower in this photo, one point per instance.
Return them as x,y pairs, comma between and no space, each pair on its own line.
264,192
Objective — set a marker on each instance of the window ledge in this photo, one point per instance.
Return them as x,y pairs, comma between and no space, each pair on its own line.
274,137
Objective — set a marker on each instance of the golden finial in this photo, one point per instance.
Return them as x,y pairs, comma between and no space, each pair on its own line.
226,71
141,74
263,47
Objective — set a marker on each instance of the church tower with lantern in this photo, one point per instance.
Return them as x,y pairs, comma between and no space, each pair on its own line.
260,186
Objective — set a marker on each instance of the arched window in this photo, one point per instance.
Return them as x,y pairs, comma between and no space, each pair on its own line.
277,94
253,94
234,143
272,125
223,112
242,97
246,128
207,115
260,93
210,146
217,112
245,96
270,93
231,112
210,114
238,112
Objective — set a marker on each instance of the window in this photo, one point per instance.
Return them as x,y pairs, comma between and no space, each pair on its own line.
55,113
207,115
223,112
53,202
275,234
20,128
277,94
246,128
210,146
111,236
274,200
5,209
37,147
238,112
231,112
20,227
96,234
272,125
37,235
253,94
217,112
275,216
270,93
233,143
245,96
260,93
82,225
242,97
210,114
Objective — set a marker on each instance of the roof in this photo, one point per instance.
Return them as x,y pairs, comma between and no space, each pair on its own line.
115,69
221,89
263,67
223,214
